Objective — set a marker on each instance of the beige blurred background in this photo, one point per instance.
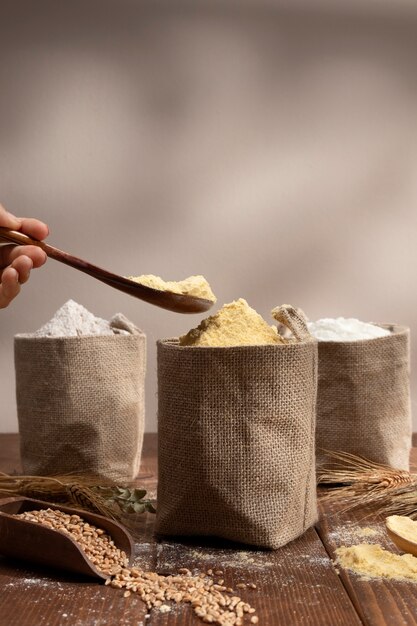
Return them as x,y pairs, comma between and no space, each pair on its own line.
271,146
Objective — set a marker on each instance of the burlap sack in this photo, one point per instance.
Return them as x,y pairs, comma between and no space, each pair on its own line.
236,441
363,400
80,403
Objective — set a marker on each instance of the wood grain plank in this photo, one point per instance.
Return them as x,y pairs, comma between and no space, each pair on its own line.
295,584
378,602
10,454
44,598
33,596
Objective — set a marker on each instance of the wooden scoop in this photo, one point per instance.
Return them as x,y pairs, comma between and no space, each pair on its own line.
179,303
30,541
403,543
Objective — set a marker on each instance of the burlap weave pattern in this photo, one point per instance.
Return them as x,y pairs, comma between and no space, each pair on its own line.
236,441
80,404
363,402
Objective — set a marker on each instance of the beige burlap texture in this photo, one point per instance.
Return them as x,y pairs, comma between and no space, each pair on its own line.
80,403
363,400
236,441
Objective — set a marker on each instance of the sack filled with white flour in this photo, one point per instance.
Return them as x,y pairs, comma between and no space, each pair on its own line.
363,397
80,395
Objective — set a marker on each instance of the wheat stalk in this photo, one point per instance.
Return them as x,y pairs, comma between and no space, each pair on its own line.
360,482
83,492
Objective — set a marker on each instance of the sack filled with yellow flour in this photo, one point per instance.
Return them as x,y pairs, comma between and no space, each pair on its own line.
80,395
236,418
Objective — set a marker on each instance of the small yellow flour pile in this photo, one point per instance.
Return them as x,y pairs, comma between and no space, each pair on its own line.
403,526
235,324
372,561
192,286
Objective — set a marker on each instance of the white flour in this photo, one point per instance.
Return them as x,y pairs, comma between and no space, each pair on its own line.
73,320
345,329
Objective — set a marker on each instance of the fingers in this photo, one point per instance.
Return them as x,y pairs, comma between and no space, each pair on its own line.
8,220
31,227
9,254
22,265
18,261
34,228
12,277
9,286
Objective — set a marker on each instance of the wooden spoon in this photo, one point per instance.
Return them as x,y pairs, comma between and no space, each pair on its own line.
402,542
179,303
30,541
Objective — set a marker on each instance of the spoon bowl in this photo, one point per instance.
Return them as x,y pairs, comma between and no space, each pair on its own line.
176,302
402,542
30,541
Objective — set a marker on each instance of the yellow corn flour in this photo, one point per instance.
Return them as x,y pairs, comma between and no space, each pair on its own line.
373,561
192,286
235,324
403,526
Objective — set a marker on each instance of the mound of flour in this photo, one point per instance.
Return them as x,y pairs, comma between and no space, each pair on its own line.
73,320
345,329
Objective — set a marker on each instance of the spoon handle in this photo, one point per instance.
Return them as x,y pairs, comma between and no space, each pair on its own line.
20,239
179,303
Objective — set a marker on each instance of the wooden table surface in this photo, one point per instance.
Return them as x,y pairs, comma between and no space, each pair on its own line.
296,585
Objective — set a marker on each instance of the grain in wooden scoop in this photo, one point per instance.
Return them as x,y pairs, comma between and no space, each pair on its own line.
211,600
95,542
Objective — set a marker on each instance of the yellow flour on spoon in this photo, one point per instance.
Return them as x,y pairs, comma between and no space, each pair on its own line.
192,286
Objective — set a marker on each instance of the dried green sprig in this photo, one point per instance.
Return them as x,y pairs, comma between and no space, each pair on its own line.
128,499
121,503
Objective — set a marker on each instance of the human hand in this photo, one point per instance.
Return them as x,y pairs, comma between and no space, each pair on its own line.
16,262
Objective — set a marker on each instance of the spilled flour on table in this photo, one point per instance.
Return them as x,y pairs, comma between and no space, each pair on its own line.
60,593
373,561
26,583
350,533
172,556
